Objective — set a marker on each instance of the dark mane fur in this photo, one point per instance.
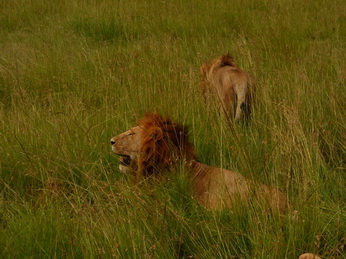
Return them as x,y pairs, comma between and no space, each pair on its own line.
164,143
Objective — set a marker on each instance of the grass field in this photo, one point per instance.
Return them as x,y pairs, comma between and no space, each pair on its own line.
75,73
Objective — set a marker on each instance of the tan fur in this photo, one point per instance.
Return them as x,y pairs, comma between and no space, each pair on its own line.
309,256
232,86
157,145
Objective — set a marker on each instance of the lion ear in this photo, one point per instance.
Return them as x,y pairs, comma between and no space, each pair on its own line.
155,133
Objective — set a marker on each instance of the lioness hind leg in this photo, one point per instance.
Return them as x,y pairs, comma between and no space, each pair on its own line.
228,105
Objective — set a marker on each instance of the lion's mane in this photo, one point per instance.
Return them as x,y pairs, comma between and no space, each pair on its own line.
163,143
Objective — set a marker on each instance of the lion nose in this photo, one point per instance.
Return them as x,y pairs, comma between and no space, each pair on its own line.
112,142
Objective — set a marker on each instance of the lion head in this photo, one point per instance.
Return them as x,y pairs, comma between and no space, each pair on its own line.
225,60
309,256
155,144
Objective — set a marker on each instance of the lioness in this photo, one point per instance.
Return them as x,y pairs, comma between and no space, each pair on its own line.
232,86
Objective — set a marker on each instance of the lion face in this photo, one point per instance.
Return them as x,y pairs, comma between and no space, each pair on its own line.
127,146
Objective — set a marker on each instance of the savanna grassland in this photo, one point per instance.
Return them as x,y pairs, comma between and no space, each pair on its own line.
75,73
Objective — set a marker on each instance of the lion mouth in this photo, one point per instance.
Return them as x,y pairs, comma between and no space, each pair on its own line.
125,160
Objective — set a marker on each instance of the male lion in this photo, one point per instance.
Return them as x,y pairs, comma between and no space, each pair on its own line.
157,144
234,87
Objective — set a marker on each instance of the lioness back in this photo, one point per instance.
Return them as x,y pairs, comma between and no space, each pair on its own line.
233,87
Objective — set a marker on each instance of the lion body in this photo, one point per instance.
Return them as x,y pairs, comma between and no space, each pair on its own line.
218,188
157,145
233,87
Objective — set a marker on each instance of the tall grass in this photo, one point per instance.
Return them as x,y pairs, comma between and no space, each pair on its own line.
75,73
